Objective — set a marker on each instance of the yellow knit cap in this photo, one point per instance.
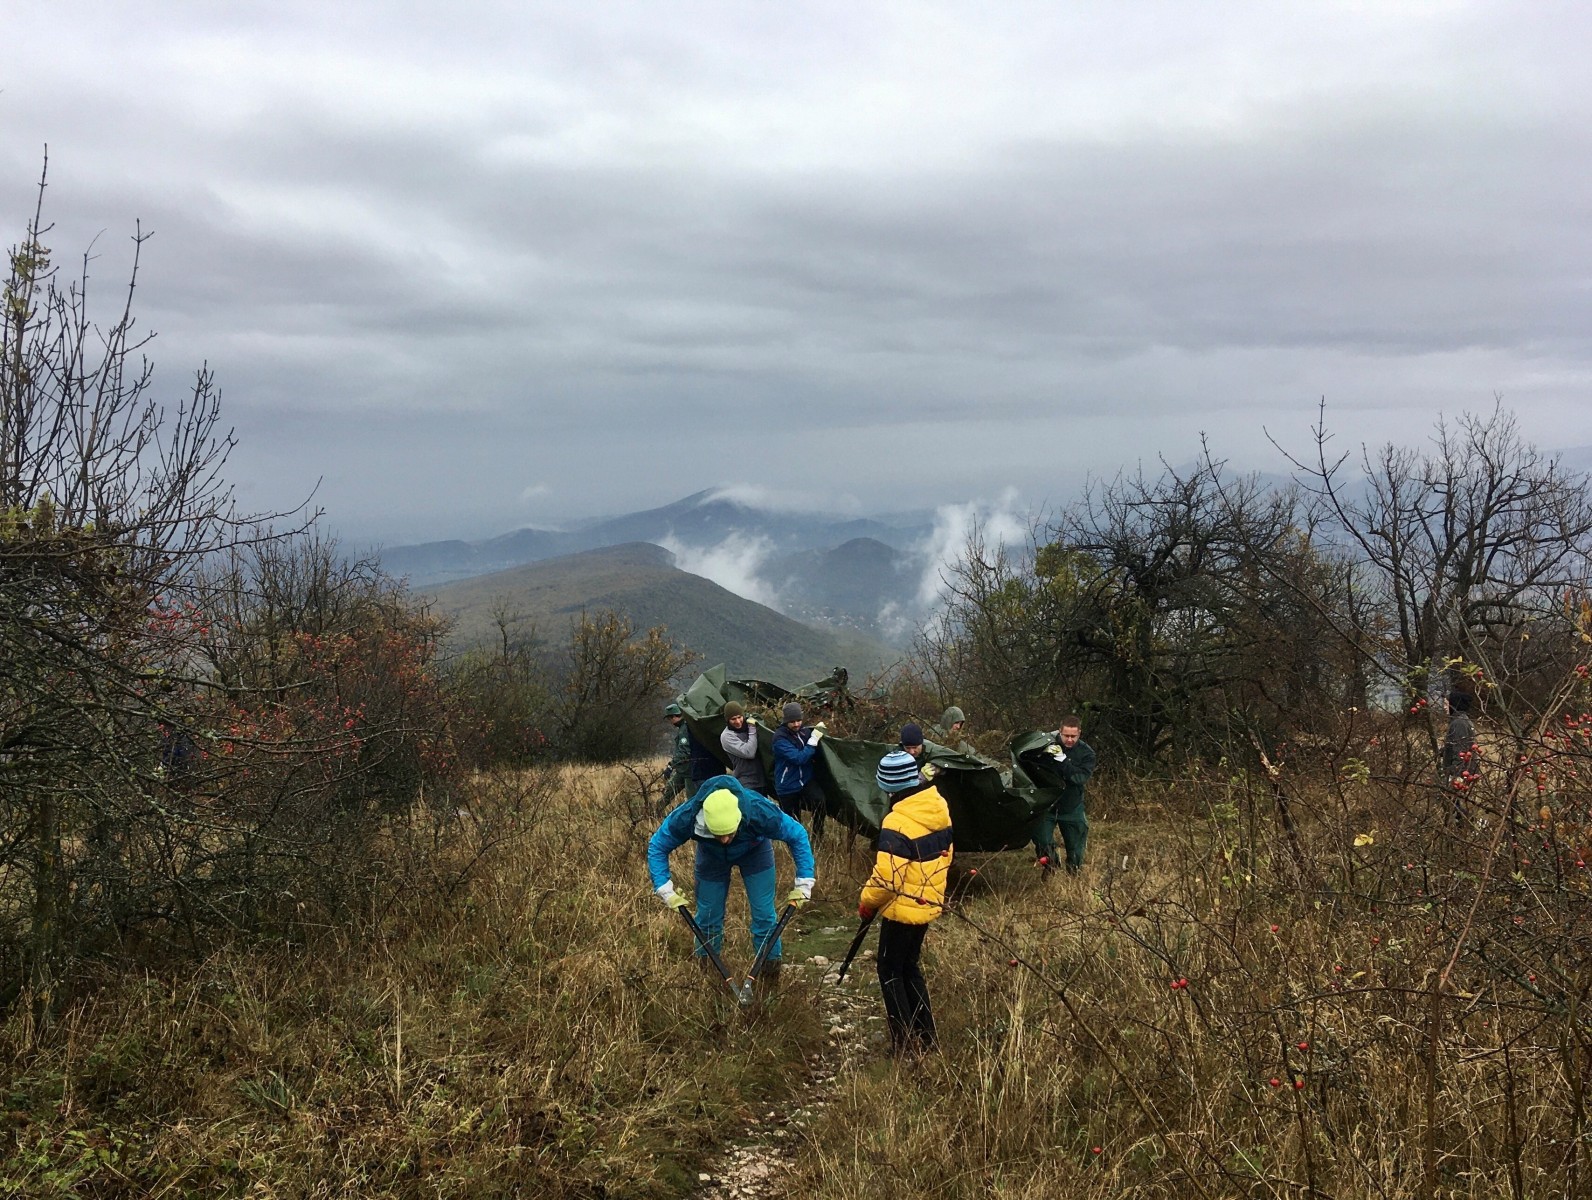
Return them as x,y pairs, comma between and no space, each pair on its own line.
721,812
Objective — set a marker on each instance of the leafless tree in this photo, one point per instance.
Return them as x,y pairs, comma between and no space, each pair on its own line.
1469,552
110,497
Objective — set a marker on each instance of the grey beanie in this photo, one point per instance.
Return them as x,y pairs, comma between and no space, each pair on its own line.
733,709
791,712
898,771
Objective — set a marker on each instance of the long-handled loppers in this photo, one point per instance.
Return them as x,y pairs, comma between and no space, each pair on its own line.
713,955
762,953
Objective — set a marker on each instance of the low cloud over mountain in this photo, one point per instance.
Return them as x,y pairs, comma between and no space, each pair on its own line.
874,575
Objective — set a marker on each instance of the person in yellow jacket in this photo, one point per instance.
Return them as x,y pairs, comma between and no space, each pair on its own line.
907,891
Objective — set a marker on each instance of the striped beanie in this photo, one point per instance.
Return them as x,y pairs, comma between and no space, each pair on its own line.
898,772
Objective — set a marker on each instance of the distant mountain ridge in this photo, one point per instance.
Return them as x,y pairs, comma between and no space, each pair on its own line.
855,585
703,519
642,581
857,575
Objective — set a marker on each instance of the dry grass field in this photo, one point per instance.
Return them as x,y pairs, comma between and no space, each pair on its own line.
1203,1012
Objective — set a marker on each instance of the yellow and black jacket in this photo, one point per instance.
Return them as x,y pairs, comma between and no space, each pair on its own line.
908,880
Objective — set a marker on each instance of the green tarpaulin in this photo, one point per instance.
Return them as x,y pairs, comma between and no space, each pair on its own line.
990,809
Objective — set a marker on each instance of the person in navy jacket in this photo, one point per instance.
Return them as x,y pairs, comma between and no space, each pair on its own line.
795,745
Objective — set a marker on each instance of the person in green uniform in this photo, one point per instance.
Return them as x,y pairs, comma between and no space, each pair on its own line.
1074,760
678,773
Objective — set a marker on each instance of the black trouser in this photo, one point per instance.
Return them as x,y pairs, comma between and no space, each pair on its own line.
810,799
906,996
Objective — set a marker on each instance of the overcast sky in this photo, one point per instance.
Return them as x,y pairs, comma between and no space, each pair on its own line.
482,265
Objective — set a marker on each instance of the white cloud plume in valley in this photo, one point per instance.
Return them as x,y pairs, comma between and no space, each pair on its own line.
733,564
997,522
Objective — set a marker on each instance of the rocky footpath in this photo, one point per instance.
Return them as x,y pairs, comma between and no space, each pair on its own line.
854,1029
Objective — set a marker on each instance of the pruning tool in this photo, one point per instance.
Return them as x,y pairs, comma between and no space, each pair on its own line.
713,955
856,944
762,954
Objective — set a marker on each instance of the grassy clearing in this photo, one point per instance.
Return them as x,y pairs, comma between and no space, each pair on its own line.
1296,1061
541,1031
539,1034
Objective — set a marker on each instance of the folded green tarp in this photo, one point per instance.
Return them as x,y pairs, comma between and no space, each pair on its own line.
988,812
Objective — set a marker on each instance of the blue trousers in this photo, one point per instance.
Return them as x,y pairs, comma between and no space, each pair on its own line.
714,866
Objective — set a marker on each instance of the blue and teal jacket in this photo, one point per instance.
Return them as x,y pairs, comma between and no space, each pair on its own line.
761,820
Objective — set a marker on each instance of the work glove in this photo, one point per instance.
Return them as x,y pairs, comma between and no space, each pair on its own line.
865,912
671,897
801,893
1057,753
927,771
816,736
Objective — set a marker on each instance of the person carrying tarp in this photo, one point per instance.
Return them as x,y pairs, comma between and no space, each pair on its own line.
739,741
795,746
912,740
704,764
678,772
907,891
732,828
951,731
1073,761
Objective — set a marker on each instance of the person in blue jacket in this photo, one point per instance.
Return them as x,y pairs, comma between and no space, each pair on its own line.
732,827
794,746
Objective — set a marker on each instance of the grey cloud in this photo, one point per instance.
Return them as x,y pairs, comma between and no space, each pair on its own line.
555,244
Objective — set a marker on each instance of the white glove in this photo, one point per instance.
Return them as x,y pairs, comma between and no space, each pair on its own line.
669,896
816,737
1057,753
803,887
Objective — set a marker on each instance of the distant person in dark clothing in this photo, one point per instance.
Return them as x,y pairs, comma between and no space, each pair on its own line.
795,746
678,773
690,762
1459,750
1074,761
704,763
739,741
177,755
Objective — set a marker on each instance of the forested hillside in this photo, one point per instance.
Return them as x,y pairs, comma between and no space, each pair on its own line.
640,581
